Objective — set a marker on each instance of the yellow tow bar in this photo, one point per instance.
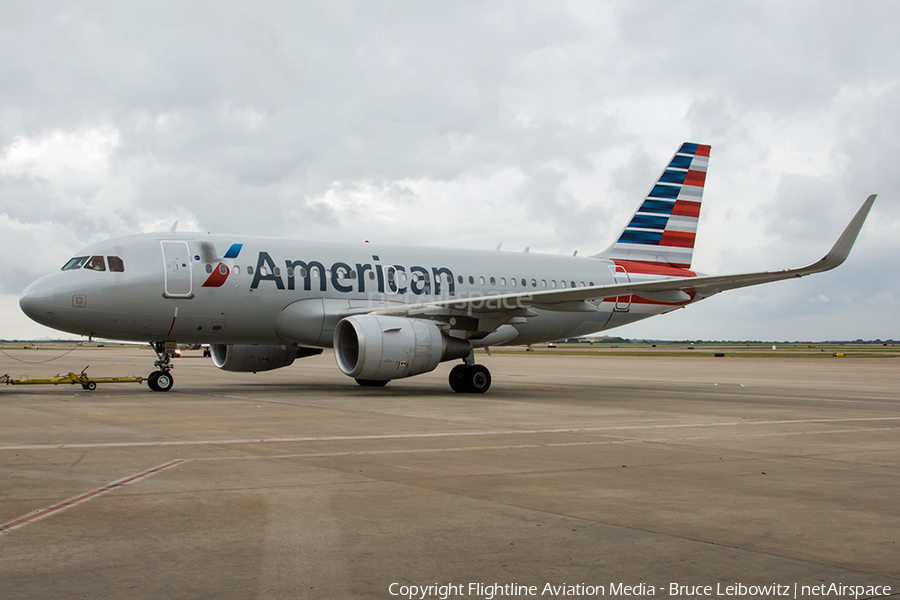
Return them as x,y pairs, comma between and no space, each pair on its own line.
88,383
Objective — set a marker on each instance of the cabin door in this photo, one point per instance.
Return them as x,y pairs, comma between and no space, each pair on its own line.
177,265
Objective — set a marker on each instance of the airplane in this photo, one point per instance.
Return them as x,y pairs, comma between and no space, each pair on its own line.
389,312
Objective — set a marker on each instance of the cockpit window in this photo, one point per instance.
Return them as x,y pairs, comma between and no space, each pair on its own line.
115,264
96,263
74,263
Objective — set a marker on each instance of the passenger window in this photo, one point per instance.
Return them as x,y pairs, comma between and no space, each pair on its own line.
524,283
459,279
481,280
236,269
503,281
115,264
493,281
74,263
208,268
249,270
471,280
96,263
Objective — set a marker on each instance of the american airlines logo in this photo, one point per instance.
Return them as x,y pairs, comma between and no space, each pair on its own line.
373,279
221,268
362,278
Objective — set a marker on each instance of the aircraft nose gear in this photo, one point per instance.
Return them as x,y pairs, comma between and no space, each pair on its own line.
474,379
161,381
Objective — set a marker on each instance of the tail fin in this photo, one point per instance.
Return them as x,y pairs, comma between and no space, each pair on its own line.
663,228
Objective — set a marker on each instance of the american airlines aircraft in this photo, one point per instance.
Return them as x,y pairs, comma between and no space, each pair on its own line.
389,312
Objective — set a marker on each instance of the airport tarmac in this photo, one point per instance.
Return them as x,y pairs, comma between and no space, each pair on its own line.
596,470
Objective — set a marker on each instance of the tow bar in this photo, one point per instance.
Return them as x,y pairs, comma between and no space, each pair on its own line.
87,383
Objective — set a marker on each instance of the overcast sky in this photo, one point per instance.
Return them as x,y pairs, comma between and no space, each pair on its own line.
464,124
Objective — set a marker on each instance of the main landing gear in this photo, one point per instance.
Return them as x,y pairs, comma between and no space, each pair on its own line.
470,378
161,381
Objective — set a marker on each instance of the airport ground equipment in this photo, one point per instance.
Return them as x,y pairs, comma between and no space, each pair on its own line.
87,383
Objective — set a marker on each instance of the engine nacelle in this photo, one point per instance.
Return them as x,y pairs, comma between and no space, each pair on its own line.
378,347
250,358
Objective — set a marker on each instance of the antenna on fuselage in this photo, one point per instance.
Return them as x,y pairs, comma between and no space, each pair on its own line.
498,246
173,227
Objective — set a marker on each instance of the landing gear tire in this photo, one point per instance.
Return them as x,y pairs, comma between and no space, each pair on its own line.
478,379
372,382
160,381
472,380
458,378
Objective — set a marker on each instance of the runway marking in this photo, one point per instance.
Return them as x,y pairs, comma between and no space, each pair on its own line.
50,510
340,438
534,446
850,400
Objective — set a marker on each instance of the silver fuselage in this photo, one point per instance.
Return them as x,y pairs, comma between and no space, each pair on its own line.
185,287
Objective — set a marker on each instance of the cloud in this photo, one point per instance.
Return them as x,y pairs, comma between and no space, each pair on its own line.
461,124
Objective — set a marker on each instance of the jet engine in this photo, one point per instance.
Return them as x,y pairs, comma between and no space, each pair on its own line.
379,348
250,358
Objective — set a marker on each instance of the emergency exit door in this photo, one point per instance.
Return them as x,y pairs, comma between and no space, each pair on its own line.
623,303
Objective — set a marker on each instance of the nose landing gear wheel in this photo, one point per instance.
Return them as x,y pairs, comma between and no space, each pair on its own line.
160,381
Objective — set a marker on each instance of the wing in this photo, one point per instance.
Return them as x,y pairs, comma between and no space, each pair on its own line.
503,307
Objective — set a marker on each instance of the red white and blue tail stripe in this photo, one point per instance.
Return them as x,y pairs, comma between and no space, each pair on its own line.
663,228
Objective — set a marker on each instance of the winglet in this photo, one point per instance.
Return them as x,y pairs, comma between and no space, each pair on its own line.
173,227
841,249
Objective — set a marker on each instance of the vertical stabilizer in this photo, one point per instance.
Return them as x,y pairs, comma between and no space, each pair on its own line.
663,228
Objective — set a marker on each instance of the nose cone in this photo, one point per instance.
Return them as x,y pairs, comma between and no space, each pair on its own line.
38,301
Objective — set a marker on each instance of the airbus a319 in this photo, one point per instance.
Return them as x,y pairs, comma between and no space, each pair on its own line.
389,312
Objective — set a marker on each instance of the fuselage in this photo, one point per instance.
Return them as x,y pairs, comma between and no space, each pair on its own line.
224,289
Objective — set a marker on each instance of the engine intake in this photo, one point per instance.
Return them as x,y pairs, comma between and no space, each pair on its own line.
377,347
250,358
